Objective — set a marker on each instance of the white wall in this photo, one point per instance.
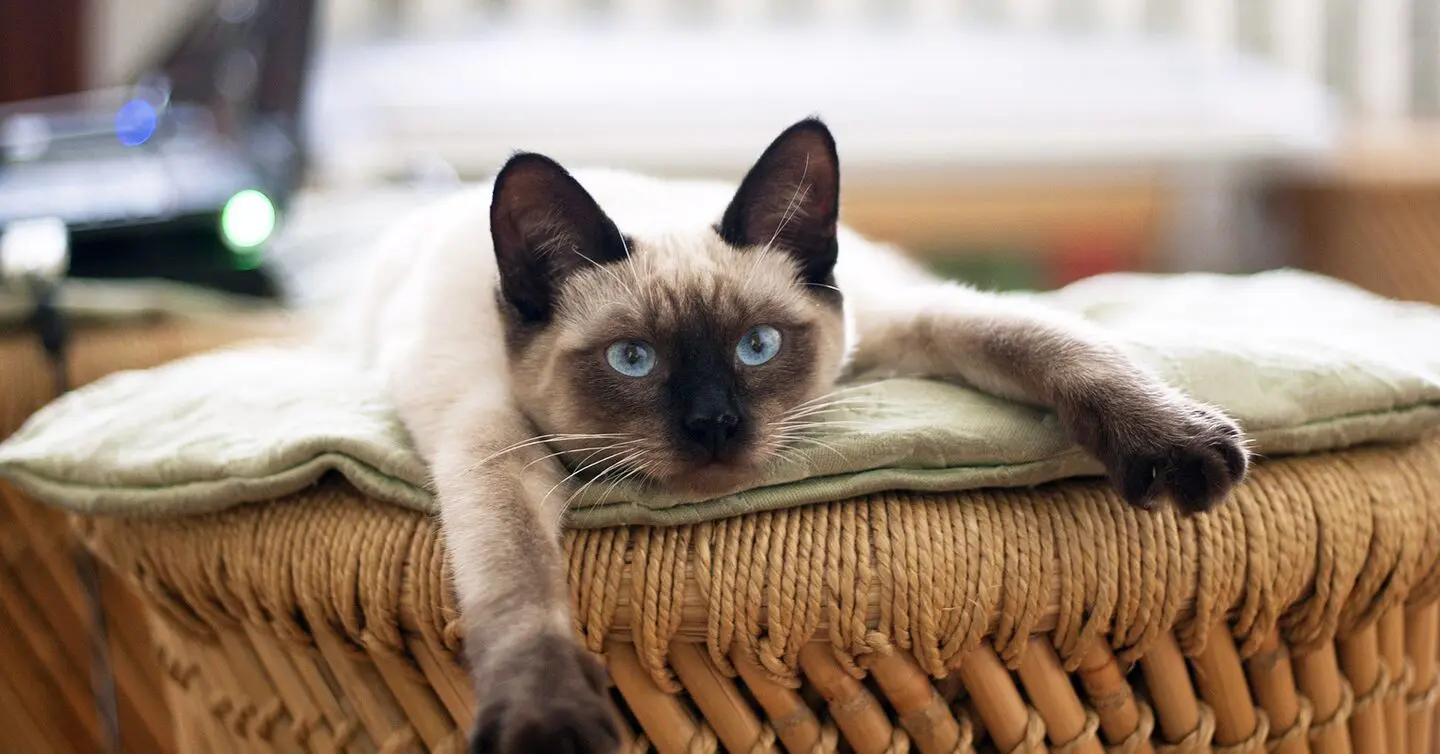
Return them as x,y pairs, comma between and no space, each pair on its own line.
1381,56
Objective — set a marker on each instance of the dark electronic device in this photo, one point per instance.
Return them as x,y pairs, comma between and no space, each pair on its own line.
181,177
184,175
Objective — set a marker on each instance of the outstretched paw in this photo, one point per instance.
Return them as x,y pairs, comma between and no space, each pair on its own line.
1171,446
548,697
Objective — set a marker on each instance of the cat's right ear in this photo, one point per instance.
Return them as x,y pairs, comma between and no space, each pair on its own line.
790,200
545,226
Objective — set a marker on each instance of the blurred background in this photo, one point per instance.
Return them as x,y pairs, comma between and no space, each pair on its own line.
1014,143
187,156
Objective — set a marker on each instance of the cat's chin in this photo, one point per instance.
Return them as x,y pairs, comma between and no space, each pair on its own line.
711,480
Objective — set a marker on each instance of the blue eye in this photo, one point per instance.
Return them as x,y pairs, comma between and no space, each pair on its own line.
631,358
758,346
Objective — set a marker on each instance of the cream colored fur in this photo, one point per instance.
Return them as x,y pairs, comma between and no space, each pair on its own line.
428,321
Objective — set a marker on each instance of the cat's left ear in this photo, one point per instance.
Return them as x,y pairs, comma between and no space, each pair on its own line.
790,200
545,227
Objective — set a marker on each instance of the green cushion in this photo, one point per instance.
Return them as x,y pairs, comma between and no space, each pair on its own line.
1305,363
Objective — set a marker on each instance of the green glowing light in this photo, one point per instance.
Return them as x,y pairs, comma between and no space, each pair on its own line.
247,221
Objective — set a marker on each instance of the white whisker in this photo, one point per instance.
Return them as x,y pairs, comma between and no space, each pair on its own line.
578,471
606,269
800,442
632,458
819,410
594,448
834,393
793,208
630,474
540,440
616,460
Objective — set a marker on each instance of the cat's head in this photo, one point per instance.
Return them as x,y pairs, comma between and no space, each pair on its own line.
689,359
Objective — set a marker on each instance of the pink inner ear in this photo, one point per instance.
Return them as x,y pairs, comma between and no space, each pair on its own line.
545,225
791,198
794,186
804,200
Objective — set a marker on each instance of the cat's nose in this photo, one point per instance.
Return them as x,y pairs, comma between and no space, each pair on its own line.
712,427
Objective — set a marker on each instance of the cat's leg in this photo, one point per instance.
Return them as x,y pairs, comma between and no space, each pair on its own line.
537,689
1152,438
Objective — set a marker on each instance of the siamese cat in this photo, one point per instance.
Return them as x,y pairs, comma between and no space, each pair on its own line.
610,324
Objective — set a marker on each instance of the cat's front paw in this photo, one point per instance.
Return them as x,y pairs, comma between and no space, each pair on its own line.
548,697
1165,445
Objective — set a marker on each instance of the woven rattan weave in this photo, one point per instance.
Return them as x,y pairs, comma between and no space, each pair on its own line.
1299,617
45,685
1384,236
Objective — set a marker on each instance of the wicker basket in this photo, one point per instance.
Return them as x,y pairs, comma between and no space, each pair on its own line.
46,700
1375,220
1300,617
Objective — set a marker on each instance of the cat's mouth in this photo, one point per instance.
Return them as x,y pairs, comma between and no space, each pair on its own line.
674,470
710,479
714,481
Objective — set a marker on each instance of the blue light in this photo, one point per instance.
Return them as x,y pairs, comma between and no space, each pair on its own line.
135,122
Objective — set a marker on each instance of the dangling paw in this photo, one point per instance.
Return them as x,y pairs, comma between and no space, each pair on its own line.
548,697
1166,446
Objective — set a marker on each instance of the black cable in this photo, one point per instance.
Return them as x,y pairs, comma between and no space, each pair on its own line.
102,674
48,322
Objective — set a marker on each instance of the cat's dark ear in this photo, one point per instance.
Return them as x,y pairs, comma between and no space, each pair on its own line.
790,200
545,226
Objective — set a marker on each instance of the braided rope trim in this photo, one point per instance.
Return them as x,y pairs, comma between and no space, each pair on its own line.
1400,687
829,739
1341,715
1084,739
1298,731
880,565
1417,701
402,740
746,598
1376,693
1256,743
1034,741
704,741
1140,737
765,742
1196,741
965,744
899,742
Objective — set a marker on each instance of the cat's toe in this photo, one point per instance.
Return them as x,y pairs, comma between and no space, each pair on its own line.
552,700
567,725
1193,454
1136,478
1200,478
